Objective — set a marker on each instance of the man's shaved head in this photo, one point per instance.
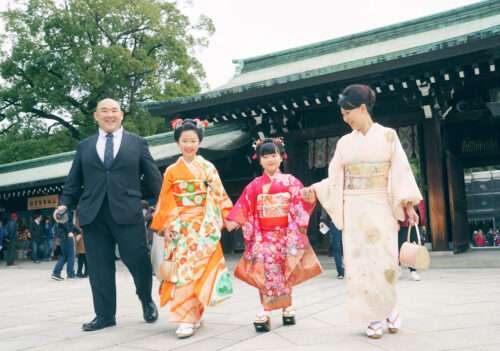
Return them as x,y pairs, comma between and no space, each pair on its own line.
108,102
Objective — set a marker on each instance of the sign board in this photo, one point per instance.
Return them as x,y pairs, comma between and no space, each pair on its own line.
41,202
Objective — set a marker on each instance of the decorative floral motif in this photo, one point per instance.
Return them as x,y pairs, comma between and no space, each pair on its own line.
273,245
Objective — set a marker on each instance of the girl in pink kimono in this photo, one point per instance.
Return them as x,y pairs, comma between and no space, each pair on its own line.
274,220
370,186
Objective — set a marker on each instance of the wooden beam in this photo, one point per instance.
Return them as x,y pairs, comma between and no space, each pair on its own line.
435,166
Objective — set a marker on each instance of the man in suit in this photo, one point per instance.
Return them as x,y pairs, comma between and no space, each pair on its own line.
105,181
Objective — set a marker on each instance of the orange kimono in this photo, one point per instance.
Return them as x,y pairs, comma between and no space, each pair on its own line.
192,206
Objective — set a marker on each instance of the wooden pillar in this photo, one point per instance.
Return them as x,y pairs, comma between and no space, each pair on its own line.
297,163
435,169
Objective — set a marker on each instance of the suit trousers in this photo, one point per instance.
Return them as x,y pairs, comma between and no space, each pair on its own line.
100,238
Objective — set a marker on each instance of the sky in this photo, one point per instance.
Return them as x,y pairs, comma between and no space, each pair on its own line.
248,28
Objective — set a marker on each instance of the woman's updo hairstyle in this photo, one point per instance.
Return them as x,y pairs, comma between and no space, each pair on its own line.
356,95
180,126
269,146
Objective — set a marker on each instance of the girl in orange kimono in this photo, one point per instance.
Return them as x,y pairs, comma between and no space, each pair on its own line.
190,214
274,220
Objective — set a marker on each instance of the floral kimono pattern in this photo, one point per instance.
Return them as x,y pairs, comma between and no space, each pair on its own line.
277,255
369,183
192,205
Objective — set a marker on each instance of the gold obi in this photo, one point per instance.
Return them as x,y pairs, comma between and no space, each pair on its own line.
273,209
366,176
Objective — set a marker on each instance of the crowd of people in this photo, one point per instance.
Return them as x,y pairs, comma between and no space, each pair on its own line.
39,238
491,238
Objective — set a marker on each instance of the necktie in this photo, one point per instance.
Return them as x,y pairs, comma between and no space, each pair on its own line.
108,151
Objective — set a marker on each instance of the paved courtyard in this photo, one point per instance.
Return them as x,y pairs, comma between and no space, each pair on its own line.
450,309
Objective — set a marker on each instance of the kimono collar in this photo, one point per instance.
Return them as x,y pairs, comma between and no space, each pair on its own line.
267,177
375,125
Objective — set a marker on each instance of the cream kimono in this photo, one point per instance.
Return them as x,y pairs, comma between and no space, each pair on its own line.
369,182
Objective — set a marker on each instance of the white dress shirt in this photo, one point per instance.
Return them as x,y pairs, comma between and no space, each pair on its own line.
101,142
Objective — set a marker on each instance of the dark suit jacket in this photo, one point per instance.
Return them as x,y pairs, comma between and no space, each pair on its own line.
89,181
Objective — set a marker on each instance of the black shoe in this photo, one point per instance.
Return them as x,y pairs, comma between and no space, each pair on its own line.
98,323
57,277
150,312
79,275
340,276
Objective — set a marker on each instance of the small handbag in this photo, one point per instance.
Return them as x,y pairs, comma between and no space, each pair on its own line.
163,260
414,255
157,252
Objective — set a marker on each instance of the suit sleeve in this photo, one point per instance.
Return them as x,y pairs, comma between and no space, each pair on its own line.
74,182
152,175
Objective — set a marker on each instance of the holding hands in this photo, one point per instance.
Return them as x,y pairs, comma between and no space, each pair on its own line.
231,225
308,194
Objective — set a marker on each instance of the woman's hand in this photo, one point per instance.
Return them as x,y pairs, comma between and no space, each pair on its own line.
412,215
308,194
167,234
231,225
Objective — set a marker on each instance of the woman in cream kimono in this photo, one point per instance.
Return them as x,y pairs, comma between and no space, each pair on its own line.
370,186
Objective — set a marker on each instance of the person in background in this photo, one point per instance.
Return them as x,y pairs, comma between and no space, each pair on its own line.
3,234
81,257
66,233
11,240
326,226
490,237
49,238
479,238
497,237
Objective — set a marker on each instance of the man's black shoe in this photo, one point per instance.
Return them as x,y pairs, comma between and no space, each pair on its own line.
150,312
98,323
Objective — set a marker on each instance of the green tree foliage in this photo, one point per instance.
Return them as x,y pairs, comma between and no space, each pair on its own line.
61,57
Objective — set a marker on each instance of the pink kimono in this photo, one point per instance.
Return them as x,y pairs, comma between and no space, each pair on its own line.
277,255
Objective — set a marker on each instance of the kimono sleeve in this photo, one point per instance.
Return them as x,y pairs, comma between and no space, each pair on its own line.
300,210
165,208
221,198
329,191
403,188
243,207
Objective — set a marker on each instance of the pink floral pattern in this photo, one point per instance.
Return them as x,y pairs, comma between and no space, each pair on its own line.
273,246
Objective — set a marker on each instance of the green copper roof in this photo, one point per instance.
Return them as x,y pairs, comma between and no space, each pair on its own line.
444,19
218,142
428,34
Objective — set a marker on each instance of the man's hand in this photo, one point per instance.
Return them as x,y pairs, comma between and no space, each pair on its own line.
60,211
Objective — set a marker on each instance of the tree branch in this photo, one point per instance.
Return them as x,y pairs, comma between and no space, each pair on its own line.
132,31
97,23
73,131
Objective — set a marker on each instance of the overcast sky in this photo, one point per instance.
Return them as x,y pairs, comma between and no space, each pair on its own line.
247,28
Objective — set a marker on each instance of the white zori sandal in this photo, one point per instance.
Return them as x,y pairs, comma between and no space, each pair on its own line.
262,322
185,330
375,330
393,323
289,315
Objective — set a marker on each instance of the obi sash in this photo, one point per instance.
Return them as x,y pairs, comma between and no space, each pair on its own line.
190,193
366,176
273,209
